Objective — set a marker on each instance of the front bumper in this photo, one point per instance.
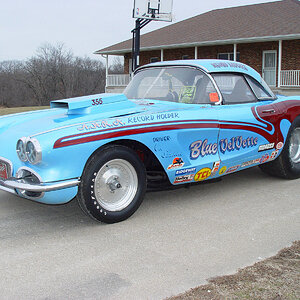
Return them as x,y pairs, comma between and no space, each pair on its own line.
12,184
27,183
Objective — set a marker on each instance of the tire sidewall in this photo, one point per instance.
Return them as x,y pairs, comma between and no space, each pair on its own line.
91,170
292,169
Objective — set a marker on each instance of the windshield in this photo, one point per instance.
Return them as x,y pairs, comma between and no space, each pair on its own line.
176,84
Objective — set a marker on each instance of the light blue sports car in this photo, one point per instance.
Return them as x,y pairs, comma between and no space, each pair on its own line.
178,122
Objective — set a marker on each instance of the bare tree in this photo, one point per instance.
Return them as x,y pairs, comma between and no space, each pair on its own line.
53,73
117,66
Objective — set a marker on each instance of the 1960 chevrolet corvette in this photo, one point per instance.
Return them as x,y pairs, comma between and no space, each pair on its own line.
178,122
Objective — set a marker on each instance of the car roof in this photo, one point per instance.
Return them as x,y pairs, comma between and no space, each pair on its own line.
211,66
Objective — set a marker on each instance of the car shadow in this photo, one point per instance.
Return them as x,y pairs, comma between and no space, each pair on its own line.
19,214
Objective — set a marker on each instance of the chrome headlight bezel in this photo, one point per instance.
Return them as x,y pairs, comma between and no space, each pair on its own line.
21,149
33,151
29,149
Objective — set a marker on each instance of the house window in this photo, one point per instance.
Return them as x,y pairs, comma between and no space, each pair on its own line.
154,59
185,57
229,56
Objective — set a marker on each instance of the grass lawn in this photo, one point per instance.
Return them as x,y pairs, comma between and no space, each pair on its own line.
13,110
275,278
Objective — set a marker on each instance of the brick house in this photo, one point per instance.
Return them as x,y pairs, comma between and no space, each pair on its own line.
265,36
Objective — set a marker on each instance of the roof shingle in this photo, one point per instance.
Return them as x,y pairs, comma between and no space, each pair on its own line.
257,21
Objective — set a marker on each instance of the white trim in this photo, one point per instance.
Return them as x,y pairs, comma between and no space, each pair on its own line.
209,43
279,62
106,67
161,54
234,52
196,52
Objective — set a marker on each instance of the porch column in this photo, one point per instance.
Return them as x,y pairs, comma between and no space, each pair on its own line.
279,62
234,51
196,52
106,69
161,54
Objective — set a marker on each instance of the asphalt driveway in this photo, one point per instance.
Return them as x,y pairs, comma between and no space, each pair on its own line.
175,241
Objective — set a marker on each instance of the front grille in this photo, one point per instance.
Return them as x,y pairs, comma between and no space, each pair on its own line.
27,175
5,168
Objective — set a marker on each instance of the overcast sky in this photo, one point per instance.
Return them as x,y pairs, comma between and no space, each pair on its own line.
83,26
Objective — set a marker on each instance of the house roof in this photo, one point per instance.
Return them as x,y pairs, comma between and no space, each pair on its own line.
251,23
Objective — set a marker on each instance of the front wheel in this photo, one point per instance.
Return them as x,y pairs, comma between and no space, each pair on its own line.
287,165
113,184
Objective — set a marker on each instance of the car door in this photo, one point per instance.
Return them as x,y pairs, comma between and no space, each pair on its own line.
245,139
201,139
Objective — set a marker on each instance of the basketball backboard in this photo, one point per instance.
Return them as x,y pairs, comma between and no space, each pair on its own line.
160,10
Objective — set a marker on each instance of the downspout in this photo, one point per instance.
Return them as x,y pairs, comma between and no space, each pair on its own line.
279,62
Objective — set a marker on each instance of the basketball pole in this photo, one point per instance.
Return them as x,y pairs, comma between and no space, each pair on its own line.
136,41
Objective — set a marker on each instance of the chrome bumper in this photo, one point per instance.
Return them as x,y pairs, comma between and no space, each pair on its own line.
12,184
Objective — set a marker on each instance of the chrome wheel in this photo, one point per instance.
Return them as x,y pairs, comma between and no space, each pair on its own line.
294,149
116,184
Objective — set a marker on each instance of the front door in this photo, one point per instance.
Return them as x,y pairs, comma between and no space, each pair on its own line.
269,67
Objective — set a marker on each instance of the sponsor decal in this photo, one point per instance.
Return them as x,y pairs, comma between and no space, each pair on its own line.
215,168
185,171
232,169
274,154
279,145
264,158
266,147
184,178
202,148
228,65
202,174
250,162
161,139
150,118
223,170
101,124
177,163
237,143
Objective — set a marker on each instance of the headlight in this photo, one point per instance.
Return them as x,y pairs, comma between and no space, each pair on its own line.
33,151
29,149
21,151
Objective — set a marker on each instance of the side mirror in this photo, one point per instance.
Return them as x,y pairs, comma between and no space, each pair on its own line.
214,97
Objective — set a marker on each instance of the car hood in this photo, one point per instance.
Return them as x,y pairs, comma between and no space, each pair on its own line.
77,111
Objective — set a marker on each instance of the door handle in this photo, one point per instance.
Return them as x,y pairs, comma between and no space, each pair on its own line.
271,111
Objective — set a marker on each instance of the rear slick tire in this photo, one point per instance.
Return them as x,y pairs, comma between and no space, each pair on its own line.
287,164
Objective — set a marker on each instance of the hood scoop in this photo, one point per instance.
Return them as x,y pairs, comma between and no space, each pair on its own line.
94,104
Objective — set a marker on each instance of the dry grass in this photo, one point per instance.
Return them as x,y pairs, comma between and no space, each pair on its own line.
275,278
13,110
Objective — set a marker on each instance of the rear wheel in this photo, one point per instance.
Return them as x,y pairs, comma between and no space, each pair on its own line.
287,165
113,184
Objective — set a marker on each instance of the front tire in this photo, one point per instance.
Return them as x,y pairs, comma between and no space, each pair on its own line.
113,184
287,165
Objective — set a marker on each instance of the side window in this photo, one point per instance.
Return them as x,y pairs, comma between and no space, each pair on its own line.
234,88
259,90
